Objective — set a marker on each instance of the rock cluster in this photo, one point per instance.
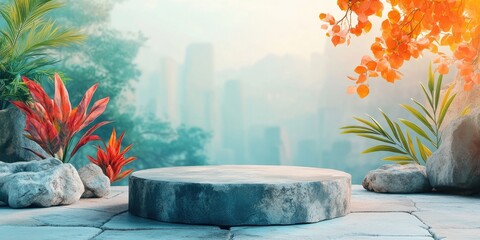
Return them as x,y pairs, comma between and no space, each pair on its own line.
49,182
12,139
42,183
96,184
395,178
455,166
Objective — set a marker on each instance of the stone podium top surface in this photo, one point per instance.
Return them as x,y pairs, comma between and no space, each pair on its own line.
240,174
373,217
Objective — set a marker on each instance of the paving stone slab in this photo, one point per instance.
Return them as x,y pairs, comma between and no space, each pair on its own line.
361,203
240,195
127,221
442,198
47,233
454,234
116,202
449,215
72,217
10,216
166,234
380,238
354,224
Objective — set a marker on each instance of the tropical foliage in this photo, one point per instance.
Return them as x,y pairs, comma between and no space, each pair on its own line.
412,142
53,124
112,159
410,28
27,36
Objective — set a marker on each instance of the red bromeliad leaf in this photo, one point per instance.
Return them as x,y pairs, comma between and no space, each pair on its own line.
88,137
97,109
62,101
112,159
123,174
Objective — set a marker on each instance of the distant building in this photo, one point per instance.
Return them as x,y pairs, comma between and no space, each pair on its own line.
167,94
307,153
196,96
277,146
268,145
232,120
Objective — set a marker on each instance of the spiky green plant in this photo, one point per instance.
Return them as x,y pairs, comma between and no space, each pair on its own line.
398,140
27,38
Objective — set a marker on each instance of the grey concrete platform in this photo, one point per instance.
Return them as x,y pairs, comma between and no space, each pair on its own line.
238,195
373,216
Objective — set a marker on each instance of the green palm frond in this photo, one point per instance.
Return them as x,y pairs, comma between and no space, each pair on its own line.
25,43
399,141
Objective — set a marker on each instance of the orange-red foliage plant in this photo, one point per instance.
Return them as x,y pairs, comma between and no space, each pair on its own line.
53,124
408,29
112,159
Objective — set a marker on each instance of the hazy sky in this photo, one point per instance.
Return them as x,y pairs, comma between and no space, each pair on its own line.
242,31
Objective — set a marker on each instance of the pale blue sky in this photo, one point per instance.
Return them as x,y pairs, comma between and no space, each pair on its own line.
242,31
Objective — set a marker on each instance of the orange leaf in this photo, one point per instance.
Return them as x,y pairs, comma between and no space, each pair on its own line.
362,90
368,26
373,74
371,65
335,40
361,78
394,16
336,29
360,69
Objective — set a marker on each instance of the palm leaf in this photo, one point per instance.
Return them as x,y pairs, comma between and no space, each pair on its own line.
437,90
424,109
398,158
419,116
416,129
381,139
430,79
390,124
384,148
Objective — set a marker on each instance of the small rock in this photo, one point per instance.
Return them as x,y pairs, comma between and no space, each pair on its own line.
12,139
96,184
455,166
395,178
41,183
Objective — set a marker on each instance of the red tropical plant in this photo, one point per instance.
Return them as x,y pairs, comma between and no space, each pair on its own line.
112,159
52,123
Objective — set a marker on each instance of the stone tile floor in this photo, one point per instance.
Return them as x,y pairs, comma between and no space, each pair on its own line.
373,216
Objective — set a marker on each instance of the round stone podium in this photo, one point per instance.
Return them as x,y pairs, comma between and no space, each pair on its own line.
235,195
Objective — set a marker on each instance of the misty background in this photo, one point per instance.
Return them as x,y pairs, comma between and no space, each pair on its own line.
229,82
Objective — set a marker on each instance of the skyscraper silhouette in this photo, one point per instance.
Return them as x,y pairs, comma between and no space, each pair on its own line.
196,96
233,129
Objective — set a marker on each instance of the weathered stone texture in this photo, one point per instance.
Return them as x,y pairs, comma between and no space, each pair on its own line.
240,195
395,178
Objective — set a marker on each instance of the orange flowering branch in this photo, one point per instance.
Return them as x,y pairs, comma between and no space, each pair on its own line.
410,28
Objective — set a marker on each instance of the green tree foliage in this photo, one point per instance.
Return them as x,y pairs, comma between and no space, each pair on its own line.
414,142
107,57
27,36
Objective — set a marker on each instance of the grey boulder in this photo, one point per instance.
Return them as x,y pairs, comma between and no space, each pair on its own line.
12,139
455,166
41,183
96,184
395,178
